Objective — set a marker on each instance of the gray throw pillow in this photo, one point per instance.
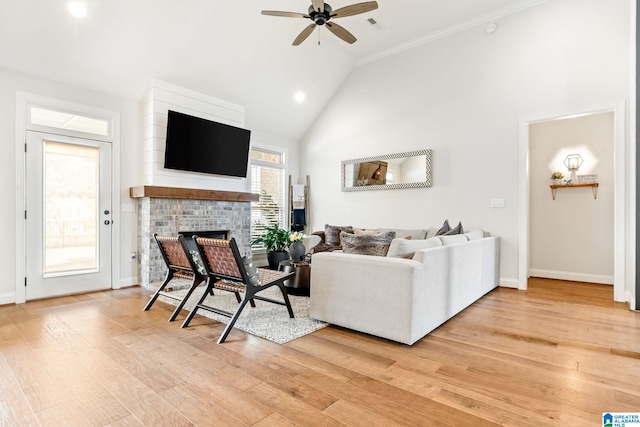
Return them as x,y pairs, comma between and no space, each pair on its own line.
252,271
332,233
444,229
376,244
455,230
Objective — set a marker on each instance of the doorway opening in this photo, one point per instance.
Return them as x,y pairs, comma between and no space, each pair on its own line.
616,185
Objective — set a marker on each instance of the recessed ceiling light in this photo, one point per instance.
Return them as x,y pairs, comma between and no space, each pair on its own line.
299,97
77,9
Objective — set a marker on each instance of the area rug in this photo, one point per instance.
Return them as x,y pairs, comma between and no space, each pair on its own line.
266,320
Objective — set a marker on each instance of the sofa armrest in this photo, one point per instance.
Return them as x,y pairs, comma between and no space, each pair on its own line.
377,295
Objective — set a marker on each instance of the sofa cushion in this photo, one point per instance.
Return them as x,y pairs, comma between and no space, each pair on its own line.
376,244
455,230
475,234
406,233
403,248
456,238
431,232
332,233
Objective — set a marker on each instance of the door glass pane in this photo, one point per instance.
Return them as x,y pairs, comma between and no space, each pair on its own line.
70,208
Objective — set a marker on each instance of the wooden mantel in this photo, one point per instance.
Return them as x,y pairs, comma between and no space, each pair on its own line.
190,193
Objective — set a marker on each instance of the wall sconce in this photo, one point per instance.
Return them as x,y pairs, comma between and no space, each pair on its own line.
573,163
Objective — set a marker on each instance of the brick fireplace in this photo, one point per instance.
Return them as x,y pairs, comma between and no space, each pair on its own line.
168,210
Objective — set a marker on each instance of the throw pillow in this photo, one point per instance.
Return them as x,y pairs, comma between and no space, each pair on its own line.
403,248
457,238
455,230
475,234
444,229
198,262
376,244
252,271
332,233
402,232
360,232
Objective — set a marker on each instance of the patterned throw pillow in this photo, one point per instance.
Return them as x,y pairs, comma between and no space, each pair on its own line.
376,244
252,271
332,233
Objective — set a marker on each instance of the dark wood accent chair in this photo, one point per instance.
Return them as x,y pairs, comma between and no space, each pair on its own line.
180,265
226,270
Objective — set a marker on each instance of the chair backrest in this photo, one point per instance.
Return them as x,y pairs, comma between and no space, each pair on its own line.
221,258
175,253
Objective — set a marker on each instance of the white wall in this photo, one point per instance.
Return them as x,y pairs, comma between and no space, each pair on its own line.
131,165
572,236
462,96
130,160
162,97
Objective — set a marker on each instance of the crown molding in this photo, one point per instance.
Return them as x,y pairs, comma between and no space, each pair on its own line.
453,29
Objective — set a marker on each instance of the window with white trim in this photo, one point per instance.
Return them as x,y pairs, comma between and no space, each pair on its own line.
267,180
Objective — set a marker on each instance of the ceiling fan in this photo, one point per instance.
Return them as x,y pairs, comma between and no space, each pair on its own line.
322,13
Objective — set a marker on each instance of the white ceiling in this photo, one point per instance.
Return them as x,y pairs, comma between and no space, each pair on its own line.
223,48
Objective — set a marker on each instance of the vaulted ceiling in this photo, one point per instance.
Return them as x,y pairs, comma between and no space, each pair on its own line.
223,48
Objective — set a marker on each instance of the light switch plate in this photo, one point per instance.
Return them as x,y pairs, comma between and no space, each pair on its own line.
497,203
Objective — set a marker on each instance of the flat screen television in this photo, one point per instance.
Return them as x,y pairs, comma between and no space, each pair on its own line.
200,145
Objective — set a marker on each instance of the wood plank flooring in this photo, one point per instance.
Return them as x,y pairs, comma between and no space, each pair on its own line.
559,354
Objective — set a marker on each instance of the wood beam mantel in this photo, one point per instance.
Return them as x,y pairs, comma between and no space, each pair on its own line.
190,193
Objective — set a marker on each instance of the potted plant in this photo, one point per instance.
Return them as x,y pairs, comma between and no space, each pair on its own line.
276,242
557,177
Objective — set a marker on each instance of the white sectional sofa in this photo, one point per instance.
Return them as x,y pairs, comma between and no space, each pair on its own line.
404,299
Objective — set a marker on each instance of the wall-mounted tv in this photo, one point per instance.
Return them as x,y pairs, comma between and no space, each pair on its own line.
199,145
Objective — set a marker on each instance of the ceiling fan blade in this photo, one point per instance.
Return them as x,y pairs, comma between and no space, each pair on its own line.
284,14
304,34
318,5
341,32
354,9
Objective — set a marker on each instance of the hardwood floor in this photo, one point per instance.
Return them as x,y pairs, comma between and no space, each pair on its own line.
559,354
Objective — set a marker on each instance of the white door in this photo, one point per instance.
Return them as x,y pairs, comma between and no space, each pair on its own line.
68,215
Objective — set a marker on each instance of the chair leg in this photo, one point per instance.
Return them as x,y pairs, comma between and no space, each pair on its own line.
232,321
160,289
193,287
285,295
238,298
195,309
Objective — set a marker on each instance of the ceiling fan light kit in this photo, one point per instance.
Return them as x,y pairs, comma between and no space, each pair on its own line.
321,13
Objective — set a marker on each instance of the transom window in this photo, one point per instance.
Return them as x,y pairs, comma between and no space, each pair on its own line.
70,121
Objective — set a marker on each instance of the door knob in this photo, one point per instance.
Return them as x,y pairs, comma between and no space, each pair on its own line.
107,222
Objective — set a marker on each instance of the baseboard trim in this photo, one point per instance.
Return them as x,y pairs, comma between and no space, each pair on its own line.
574,277
8,298
508,283
126,282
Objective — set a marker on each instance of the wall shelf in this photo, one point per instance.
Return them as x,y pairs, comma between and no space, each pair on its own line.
594,188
